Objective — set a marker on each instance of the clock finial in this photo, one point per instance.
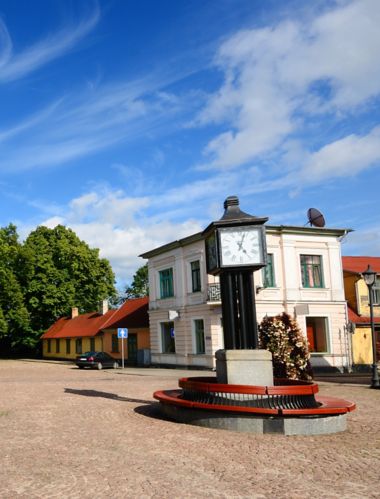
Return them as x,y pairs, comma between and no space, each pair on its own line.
232,210
231,201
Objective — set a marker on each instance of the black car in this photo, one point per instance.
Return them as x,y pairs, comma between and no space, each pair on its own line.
96,360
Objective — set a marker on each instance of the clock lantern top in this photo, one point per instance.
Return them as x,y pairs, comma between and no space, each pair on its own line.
236,241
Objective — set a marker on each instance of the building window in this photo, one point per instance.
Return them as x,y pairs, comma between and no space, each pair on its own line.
57,346
317,333
195,276
311,271
49,346
115,343
167,337
199,335
376,291
68,346
92,344
268,273
78,345
166,283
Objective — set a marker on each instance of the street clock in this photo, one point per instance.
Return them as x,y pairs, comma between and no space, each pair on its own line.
236,241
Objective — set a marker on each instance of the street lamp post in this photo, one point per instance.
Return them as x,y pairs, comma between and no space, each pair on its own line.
369,276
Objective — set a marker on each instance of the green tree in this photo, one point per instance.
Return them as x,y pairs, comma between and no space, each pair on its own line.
15,331
282,336
140,284
61,271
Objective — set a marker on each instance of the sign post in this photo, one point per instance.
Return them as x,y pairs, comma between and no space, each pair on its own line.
122,332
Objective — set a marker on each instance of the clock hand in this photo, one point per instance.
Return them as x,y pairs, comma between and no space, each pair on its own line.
240,243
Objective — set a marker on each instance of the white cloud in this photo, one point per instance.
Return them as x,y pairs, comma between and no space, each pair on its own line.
277,78
365,241
342,158
29,123
84,123
15,66
52,222
107,207
119,227
5,45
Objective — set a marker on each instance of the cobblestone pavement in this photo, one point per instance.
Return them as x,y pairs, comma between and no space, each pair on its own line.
70,433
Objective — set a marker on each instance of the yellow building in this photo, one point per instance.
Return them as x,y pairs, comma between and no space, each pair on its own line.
97,331
357,297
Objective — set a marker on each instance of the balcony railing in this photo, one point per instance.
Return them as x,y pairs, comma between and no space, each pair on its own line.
213,293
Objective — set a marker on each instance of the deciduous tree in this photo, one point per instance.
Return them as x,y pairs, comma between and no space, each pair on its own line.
61,272
140,284
15,331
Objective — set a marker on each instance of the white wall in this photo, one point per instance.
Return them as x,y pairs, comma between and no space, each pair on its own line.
286,247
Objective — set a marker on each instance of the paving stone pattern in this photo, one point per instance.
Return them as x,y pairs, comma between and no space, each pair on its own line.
70,433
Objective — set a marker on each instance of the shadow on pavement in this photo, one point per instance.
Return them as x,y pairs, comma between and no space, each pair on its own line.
152,410
106,395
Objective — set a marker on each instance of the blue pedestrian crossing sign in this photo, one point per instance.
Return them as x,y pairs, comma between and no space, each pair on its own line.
122,332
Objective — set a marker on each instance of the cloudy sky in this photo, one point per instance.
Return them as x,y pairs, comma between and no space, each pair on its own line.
131,121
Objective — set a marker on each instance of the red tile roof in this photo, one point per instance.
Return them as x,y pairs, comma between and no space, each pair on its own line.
359,319
132,314
357,264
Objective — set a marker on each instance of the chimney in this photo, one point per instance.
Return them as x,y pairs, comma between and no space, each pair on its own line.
103,308
74,312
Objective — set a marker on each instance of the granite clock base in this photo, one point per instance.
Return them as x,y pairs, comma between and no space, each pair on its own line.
244,367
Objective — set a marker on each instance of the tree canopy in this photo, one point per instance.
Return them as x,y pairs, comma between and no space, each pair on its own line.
41,279
14,316
140,284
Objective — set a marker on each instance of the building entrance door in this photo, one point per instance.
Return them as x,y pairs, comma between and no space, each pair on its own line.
132,348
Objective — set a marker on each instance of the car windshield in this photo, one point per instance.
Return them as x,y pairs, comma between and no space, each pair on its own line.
89,354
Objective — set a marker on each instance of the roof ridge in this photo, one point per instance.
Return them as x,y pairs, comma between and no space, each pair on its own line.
115,310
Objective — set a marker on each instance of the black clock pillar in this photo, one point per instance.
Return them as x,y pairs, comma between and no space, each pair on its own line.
238,310
235,248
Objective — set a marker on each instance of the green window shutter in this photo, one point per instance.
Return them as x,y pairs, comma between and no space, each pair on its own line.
195,276
199,332
166,283
268,273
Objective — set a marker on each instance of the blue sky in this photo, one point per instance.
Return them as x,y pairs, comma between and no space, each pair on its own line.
131,121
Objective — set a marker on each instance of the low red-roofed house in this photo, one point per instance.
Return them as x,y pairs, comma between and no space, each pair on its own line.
97,331
357,297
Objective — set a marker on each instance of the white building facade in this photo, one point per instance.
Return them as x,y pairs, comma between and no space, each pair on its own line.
303,278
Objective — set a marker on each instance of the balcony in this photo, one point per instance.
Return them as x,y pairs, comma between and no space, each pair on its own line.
213,293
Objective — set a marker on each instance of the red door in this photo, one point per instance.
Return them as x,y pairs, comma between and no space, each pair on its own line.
310,337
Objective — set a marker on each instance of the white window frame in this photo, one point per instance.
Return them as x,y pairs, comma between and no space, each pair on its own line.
188,260
328,332
322,260
376,291
160,338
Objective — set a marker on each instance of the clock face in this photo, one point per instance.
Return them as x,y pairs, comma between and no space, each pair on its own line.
240,246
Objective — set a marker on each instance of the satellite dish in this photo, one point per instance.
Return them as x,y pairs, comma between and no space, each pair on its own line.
315,217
